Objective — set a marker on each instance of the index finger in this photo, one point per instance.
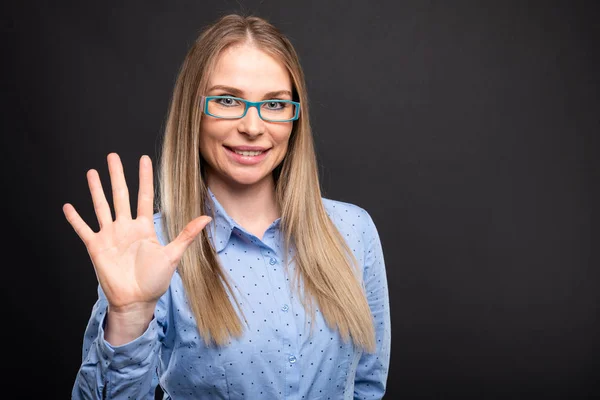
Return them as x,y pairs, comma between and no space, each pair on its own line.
146,191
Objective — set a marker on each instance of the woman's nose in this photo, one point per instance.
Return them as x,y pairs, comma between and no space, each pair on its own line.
251,124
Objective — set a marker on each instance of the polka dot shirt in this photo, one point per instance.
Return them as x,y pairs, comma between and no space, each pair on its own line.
276,358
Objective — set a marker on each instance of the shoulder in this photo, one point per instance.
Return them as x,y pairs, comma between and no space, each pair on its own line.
336,205
350,219
339,210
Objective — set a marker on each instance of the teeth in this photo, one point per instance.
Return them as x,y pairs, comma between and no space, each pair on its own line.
248,153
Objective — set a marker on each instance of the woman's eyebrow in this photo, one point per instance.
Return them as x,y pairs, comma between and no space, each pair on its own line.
240,93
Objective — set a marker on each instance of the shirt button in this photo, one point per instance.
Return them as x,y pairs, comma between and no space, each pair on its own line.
292,359
285,307
272,261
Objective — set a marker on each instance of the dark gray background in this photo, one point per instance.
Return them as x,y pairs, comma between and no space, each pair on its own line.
468,130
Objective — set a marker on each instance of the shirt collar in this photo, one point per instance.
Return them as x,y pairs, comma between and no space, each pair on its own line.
222,225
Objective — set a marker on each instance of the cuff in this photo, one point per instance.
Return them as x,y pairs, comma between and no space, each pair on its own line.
134,352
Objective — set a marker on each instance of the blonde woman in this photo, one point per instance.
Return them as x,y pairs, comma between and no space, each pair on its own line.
246,283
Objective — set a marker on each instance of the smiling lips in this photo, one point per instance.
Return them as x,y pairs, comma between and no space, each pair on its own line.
247,148
247,155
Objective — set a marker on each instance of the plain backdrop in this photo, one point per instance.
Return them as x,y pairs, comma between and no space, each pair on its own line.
468,130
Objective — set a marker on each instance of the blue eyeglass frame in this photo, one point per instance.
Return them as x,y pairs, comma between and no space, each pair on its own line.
256,104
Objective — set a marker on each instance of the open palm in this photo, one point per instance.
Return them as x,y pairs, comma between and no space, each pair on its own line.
132,266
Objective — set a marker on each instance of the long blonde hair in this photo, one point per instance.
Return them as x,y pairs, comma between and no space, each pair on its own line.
326,266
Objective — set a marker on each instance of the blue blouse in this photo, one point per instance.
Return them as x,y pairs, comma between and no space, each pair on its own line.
276,358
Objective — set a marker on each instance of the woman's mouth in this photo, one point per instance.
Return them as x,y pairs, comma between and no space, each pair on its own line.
247,157
248,153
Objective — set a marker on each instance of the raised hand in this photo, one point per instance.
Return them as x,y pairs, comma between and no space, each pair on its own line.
133,268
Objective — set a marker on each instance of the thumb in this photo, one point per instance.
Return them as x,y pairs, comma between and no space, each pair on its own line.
177,247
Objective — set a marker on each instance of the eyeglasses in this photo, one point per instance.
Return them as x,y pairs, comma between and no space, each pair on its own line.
229,107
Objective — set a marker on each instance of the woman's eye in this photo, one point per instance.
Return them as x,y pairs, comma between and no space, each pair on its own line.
274,105
227,101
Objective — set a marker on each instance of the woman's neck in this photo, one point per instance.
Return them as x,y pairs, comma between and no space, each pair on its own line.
254,207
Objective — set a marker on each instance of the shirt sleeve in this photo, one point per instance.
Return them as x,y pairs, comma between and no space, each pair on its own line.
372,370
119,372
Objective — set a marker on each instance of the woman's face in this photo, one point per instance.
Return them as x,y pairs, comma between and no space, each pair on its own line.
246,72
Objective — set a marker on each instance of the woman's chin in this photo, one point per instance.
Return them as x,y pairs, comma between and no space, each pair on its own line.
247,180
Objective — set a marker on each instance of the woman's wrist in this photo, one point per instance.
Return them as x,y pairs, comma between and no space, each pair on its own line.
124,325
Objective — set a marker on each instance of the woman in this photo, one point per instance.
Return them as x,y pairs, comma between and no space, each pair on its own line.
283,295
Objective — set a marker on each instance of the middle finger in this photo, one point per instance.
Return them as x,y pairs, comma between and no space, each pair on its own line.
119,187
